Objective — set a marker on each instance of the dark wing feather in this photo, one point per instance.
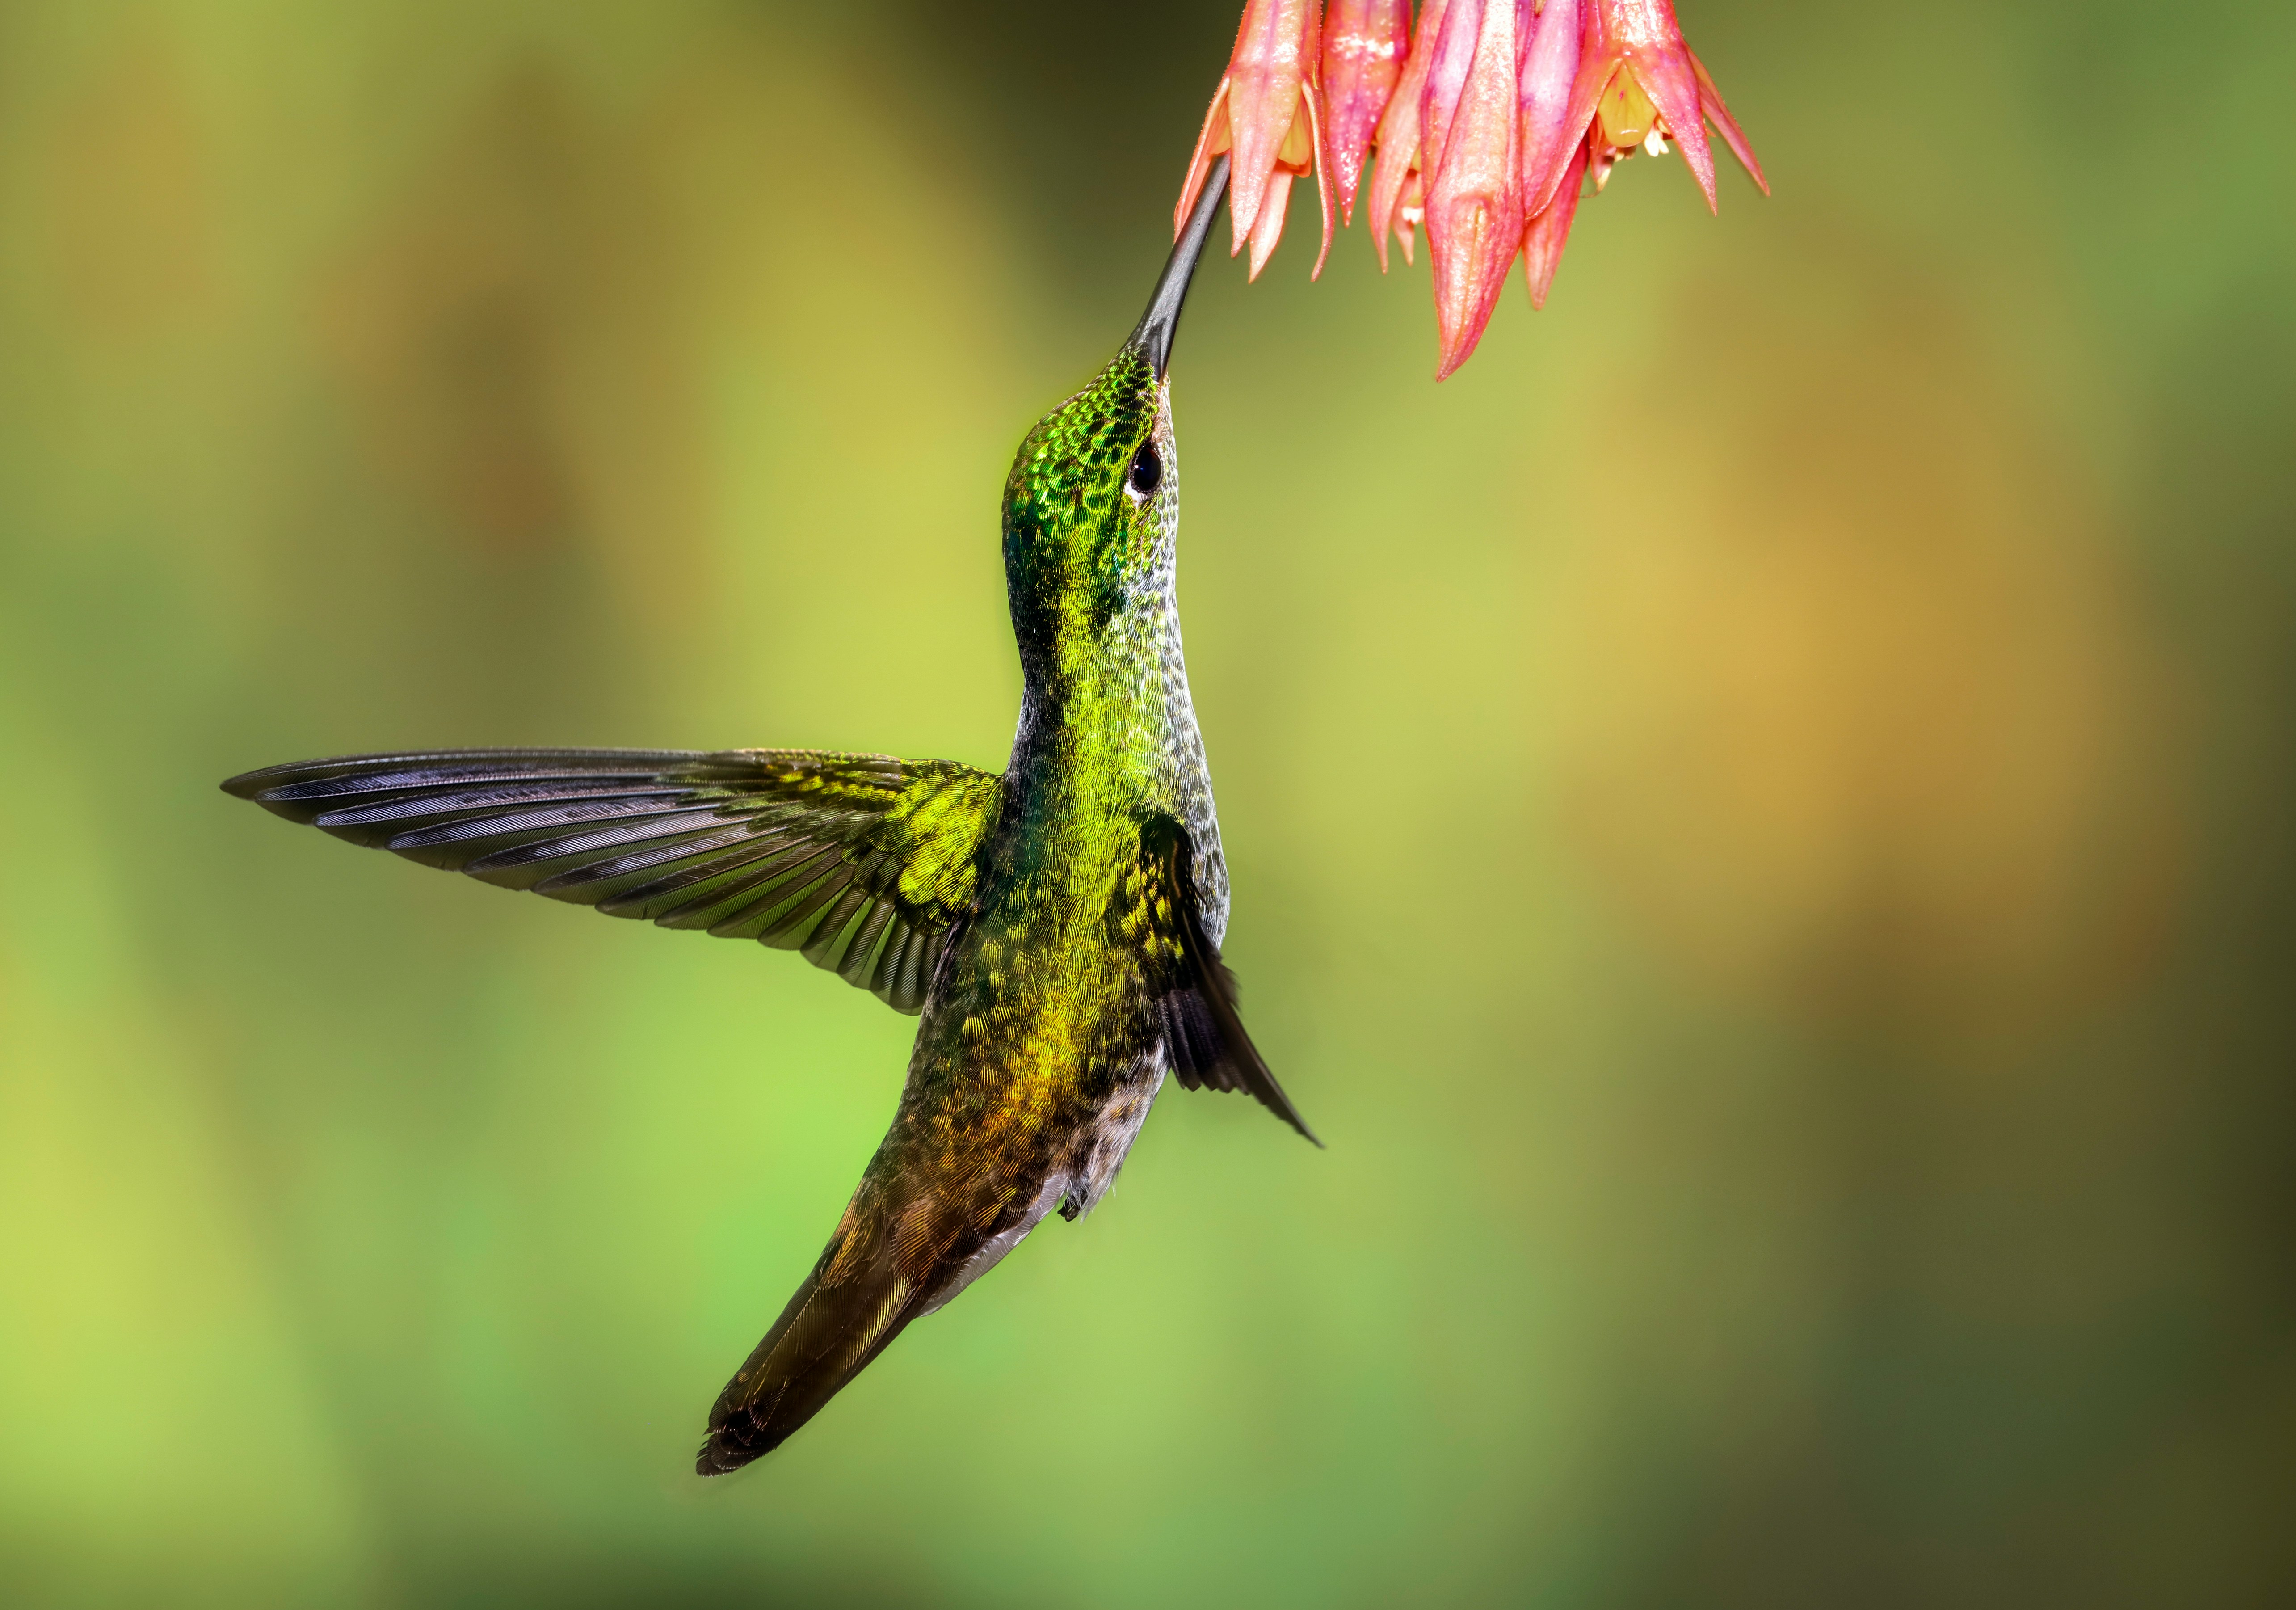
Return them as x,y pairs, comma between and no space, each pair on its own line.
861,862
1191,992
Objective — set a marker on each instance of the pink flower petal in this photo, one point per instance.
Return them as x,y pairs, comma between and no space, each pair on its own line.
1364,44
1666,79
1474,211
1709,102
1447,76
1268,228
1544,236
1596,66
1209,143
1318,140
1550,66
1397,140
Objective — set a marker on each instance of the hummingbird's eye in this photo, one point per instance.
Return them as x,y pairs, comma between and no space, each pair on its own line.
1147,470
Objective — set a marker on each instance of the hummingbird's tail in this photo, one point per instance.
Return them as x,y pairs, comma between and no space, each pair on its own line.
894,1259
826,1335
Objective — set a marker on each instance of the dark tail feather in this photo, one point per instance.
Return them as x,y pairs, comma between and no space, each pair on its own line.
857,1299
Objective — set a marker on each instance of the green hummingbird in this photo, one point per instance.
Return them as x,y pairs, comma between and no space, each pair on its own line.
1058,925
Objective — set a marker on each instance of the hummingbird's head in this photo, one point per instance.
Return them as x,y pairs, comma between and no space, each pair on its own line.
1092,508
1091,512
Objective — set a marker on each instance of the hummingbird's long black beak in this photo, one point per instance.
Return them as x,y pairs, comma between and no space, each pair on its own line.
1154,335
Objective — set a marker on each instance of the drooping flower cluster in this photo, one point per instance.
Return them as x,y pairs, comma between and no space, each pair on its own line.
1488,119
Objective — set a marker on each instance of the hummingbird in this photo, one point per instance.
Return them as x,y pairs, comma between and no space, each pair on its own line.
1057,925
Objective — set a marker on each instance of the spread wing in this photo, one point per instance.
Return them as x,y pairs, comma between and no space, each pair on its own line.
862,862
1191,993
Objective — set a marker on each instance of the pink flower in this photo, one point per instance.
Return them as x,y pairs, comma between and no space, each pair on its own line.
1485,129
1636,86
1638,79
1268,112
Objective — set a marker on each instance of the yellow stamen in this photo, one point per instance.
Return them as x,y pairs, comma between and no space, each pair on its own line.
1299,144
1627,114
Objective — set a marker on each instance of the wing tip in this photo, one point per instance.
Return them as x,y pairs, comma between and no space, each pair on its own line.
248,784
1272,1097
267,785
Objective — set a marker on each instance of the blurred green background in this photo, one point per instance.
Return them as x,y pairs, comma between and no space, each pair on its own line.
1760,813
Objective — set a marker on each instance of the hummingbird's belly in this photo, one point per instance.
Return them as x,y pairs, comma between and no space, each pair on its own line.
1082,1172
1106,1142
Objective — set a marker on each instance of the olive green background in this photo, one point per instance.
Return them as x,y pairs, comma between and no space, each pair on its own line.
1760,813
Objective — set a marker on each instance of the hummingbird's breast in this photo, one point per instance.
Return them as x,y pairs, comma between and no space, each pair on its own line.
1183,775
